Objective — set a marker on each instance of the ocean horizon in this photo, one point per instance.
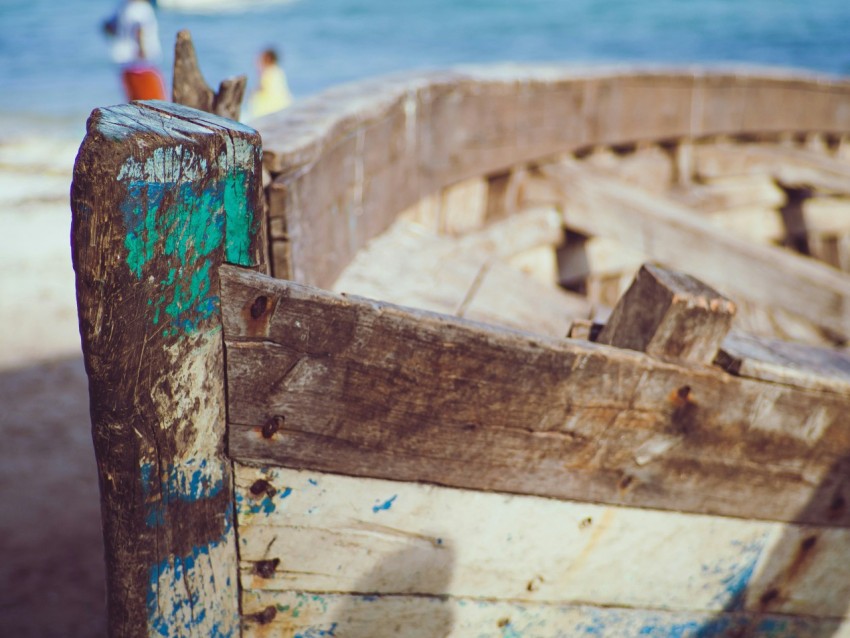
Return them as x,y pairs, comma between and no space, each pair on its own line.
55,66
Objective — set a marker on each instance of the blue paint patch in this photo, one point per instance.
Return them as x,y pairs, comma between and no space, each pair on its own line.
189,483
265,505
737,574
312,481
318,632
185,614
385,505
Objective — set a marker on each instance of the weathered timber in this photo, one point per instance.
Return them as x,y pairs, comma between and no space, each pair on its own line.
669,315
647,167
370,389
466,275
345,163
756,224
389,538
508,297
783,362
190,89
595,204
370,616
793,167
162,195
735,191
582,257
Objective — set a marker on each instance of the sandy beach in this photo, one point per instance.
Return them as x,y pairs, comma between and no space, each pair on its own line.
51,572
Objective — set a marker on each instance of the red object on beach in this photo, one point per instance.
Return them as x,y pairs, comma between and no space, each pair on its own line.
143,83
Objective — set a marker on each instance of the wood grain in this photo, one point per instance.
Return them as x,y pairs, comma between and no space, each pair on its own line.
345,163
189,87
669,315
371,616
162,195
326,533
365,388
596,204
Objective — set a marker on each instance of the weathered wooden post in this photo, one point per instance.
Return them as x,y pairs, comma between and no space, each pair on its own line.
162,195
190,89
669,315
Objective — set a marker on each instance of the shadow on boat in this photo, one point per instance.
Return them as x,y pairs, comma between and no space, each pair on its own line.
804,573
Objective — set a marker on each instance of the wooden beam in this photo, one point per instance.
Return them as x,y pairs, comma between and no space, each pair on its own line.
389,538
162,195
666,232
793,167
467,275
370,616
783,362
670,316
190,89
365,388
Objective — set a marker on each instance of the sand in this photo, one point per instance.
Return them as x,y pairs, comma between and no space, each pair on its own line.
51,552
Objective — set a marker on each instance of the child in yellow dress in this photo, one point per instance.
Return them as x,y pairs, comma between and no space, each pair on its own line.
273,93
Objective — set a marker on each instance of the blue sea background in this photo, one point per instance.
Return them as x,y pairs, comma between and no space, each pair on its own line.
55,66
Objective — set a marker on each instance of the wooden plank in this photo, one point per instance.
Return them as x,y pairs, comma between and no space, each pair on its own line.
387,538
598,205
755,224
825,215
736,191
162,195
792,167
582,257
370,616
463,206
783,362
463,276
669,315
366,388
504,296
647,167
539,264
778,324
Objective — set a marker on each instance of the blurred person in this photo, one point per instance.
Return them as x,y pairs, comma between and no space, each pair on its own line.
273,92
135,47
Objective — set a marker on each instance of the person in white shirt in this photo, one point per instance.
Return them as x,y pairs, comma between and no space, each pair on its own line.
136,48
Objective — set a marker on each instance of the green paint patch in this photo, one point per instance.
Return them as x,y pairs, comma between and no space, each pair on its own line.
180,228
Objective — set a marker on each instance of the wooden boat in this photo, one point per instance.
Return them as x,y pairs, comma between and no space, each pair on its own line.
280,459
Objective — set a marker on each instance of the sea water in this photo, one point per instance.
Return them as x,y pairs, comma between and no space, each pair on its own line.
55,66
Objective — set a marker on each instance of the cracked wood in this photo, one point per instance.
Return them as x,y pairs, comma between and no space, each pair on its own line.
370,389
162,195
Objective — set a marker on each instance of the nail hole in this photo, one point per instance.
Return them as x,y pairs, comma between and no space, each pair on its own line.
264,617
625,482
273,425
262,486
684,392
258,308
769,596
808,543
266,568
